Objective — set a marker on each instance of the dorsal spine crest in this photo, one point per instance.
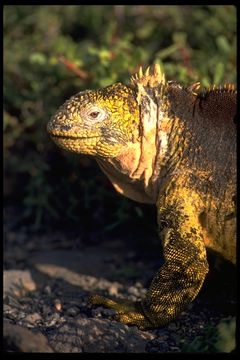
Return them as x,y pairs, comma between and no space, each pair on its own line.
152,76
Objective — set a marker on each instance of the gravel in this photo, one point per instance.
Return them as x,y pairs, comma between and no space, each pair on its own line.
46,292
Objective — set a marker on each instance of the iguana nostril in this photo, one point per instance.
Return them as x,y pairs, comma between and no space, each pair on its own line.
58,127
66,127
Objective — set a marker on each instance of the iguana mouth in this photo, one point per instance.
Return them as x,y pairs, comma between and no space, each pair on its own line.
73,137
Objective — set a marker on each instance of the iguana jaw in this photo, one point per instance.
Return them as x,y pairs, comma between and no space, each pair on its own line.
89,145
74,144
72,137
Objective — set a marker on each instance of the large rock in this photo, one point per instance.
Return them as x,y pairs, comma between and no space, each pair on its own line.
16,282
20,339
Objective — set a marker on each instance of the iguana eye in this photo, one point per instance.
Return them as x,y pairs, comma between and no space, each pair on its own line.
94,114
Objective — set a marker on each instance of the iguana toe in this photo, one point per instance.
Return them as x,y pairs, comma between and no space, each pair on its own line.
127,312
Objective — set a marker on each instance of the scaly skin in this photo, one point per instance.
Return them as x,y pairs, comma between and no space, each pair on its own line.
162,143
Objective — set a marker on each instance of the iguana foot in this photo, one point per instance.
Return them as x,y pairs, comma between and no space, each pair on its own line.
128,312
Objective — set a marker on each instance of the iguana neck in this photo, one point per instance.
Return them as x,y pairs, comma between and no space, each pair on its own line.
146,165
121,172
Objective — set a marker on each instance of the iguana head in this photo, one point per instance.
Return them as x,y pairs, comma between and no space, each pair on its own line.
118,125
97,122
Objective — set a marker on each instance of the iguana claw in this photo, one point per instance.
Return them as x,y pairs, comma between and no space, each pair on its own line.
128,312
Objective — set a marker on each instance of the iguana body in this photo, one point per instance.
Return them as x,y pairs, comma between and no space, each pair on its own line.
164,144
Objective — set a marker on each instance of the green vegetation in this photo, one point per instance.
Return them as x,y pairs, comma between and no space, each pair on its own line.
52,52
220,338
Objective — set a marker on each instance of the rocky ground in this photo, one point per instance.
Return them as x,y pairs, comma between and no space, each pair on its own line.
48,278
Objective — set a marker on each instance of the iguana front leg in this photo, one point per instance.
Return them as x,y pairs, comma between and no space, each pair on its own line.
181,276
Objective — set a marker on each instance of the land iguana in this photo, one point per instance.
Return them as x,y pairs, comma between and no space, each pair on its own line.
161,143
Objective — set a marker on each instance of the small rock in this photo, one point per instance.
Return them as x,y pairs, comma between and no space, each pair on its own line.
97,312
46,310
6,308
114,288
32,318
108,312
133,291
57,305
54,317
11,315
73,311
21,315
47,290
139,285
11,301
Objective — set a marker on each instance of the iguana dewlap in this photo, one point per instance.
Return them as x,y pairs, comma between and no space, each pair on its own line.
159,142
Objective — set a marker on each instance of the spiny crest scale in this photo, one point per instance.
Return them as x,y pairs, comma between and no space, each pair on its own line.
152,76
220,89
194,87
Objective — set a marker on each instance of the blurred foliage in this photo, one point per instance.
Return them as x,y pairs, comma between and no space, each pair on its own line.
220,338
54,51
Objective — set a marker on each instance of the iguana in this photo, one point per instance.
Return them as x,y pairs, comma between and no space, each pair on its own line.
161,143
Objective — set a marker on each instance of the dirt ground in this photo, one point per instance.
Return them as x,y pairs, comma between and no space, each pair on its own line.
49,276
